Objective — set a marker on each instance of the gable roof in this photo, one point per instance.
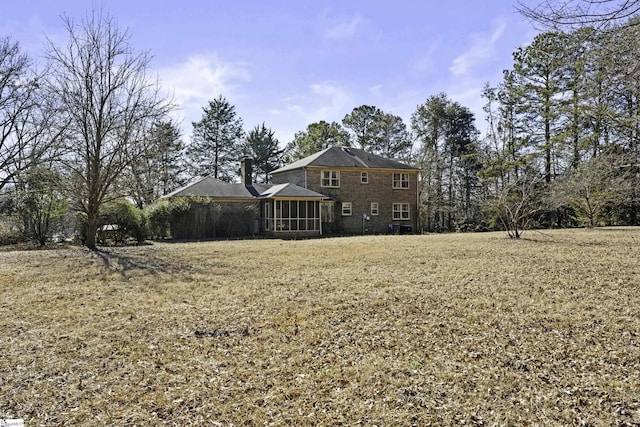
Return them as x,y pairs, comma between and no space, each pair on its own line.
214,188
345,157
289,190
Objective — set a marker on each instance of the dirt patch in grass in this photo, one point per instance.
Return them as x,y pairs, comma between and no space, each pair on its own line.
470,329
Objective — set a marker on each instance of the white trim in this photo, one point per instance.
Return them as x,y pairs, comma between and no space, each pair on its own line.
401,211
334,175
347,206
310,221
402,179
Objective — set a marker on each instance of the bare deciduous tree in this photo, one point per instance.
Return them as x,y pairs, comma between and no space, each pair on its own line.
595,184
519,204
576,13
26,115
109,102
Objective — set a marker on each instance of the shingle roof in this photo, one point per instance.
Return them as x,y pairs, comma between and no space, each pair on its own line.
289,190
211,187
344,157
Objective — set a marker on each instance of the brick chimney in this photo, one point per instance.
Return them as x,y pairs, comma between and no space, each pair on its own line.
246,170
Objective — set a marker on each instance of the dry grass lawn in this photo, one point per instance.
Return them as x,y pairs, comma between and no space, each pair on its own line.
468,329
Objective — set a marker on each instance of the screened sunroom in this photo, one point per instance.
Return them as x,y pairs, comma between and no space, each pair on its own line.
286,215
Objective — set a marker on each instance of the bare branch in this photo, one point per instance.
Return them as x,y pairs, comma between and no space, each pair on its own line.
27,136
109,103
570,14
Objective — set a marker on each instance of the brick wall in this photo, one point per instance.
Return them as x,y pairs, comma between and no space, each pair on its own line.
378,189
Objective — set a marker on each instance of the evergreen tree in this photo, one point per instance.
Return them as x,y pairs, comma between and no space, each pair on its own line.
394,138
263,147
428,124
462,163
538,74
364,124
158,171
216,141
574,110
448,160
598,96
316,137
623,51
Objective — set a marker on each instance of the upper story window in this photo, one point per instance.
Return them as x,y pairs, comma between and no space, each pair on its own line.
330,179
364,177
400,180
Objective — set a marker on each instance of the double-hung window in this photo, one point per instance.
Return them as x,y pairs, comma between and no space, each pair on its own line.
330,179
374,208
364,177
346,208
400,180
401,211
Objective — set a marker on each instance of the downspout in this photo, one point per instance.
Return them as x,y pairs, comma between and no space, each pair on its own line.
418,222
319,213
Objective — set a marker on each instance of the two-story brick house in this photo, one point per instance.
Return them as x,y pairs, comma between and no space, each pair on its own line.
367,192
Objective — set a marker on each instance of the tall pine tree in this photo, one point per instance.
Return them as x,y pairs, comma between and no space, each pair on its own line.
216,141
158,171
539,81
316,137
263,147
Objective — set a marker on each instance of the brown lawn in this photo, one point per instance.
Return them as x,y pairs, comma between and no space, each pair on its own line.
470,329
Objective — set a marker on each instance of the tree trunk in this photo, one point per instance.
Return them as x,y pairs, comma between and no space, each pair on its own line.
547,146
92,230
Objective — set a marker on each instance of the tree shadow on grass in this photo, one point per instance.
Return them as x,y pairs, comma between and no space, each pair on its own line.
145,260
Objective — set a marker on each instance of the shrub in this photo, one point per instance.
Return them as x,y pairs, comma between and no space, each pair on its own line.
127,221
164,214
9,236
200,218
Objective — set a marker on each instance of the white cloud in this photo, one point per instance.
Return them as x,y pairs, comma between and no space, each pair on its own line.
344,29
33,35
481,49
376,90
199,79
427,62
324,100
331,102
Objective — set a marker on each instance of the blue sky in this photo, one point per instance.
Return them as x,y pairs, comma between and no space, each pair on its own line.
291,63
